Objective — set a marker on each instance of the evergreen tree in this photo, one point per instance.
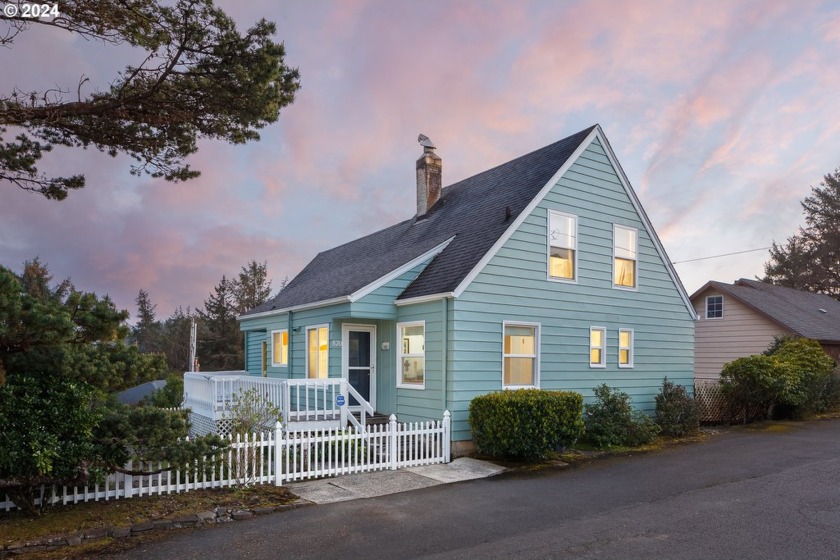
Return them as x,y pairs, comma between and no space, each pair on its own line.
62,352
147,330
220,340
198,77
253,287
810,259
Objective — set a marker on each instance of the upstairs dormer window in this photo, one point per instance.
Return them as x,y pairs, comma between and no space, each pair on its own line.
562,243
714,307
625,256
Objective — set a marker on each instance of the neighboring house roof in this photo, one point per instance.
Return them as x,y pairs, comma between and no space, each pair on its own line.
461,231
815,316
135,394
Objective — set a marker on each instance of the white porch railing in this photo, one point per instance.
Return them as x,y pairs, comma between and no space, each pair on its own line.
302,401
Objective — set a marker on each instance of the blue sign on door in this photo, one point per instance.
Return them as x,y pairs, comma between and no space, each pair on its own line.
340,400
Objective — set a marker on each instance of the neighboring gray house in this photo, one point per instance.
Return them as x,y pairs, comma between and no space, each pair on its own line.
139,392
543,272
742,318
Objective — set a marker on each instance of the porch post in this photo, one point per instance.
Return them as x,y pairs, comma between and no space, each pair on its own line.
287,402
343,409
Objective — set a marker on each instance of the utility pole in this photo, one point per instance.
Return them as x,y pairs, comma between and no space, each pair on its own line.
193,359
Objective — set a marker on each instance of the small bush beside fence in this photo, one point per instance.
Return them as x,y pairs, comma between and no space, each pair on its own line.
676,412
612,421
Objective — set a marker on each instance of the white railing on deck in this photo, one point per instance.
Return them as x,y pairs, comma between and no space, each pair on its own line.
210,394
300,400
278,456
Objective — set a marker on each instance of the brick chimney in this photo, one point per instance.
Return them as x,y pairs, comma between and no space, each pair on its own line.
429,172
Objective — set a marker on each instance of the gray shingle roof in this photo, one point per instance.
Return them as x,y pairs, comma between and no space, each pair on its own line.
472,210
797,310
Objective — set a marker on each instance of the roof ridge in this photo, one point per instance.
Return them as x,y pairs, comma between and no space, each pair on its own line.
585,132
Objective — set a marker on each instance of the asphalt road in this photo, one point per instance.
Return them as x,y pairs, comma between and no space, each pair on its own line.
744,494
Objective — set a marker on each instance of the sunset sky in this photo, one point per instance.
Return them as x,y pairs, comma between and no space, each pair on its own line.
723,115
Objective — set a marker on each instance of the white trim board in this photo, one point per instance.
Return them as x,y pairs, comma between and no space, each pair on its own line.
381,281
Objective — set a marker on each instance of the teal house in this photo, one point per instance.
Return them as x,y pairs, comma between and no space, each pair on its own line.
543,272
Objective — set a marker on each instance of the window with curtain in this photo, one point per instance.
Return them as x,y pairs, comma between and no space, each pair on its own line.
562,241
317,352
280,348
597,347
625,251
519,355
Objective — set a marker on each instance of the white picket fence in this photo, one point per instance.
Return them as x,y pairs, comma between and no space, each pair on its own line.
330,452
258,459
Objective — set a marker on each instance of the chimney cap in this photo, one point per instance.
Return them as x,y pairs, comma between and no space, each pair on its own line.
426,142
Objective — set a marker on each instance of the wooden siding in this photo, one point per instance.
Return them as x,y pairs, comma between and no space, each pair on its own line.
741,331
514,287
379,304
253,351
422,404
297,339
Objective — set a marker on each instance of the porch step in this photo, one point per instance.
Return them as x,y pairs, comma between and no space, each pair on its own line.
376,420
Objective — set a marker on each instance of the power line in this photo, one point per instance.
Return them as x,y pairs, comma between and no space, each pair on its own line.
723,255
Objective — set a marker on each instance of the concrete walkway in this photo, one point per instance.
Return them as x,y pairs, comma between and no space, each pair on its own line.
380,483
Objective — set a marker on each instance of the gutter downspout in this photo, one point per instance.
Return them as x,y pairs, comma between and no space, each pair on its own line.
444,309
291,338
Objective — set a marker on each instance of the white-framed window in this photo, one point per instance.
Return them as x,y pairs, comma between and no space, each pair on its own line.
317,351
714,307
625,348
280,348
597,347
625,256
520,355
562,246
411,355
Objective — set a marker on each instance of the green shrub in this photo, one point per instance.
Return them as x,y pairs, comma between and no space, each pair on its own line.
252,412
809,371
170,395
525,423
676,411
611,420
830,397
777,343
795,379
751,386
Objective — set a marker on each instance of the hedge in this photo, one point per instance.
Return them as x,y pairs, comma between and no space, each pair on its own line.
525,423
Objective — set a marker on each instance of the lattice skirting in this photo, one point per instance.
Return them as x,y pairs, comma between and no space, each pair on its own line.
202,425
710,400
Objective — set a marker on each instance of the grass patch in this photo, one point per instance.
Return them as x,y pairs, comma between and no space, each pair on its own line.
64,520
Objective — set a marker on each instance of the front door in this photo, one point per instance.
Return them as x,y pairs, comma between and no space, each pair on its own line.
359,360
